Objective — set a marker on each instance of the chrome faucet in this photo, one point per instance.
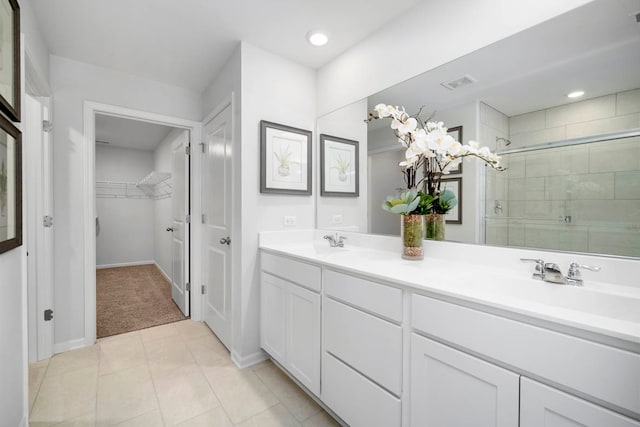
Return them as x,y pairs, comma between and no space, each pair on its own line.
335,241
546,271
550,272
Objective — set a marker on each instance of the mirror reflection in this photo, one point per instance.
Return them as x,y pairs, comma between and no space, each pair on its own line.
573,163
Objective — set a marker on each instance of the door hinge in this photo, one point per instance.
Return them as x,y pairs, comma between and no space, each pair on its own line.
204,219
187,149
203,147
48,315
202,289
47,221
187,219
47,126
188,287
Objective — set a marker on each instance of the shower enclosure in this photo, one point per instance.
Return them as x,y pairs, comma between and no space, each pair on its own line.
579,195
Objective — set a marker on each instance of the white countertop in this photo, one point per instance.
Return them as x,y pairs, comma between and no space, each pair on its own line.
610,310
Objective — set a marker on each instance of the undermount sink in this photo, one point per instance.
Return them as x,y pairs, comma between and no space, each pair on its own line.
596,302
317,249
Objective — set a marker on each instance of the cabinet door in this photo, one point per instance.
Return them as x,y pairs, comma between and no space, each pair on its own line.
453,389
272,316
303,336
543,406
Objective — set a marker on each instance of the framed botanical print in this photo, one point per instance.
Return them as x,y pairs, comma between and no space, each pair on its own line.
10,59
454,216
339,168
456,133
285,159
10,186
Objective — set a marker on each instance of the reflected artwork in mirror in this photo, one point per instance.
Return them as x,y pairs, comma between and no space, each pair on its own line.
572,164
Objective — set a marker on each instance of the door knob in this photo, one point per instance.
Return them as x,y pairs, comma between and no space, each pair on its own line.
225,241
170,229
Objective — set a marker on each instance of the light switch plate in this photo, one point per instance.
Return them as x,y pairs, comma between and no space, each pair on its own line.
337,219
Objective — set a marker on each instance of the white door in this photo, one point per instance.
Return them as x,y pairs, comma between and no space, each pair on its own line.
453,389
216,202
180,234
543,406
39,229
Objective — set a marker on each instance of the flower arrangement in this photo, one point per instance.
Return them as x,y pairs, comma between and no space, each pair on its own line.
429,146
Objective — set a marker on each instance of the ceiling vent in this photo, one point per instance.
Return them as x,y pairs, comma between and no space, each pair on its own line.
458,83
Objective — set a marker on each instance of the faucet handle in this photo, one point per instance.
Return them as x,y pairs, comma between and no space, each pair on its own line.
574,266
539,268
573,275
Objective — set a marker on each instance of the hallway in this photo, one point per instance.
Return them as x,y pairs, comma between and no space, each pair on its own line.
174,374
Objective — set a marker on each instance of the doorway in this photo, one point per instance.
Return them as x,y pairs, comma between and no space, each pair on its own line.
177,231
141,234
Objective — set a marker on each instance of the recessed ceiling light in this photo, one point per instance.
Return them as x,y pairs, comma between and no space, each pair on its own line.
317,38
576,94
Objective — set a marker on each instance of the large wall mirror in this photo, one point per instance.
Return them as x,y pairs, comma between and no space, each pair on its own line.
573,164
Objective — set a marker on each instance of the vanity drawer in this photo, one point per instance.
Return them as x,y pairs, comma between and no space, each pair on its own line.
371,345
355,399
374,297
301,273
605,373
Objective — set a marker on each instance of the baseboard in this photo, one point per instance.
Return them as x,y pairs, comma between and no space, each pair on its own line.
164,273
250,360
124,264
61,347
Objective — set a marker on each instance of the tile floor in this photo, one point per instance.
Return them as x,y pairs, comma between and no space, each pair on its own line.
175,374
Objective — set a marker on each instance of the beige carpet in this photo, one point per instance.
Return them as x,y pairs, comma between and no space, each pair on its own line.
133,298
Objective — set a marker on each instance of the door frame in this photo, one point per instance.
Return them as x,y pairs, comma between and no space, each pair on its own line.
90,109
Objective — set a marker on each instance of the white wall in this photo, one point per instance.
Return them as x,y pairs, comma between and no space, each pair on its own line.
13,332
35,46
126,224
277,90
72,83
162,207
13,360
450,29
348,123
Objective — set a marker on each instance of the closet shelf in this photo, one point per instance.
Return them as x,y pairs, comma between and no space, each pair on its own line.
156,185
116,190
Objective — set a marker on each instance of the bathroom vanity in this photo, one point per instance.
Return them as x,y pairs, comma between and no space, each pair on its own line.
465,337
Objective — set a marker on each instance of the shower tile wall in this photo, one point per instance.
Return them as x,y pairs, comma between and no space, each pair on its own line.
582,198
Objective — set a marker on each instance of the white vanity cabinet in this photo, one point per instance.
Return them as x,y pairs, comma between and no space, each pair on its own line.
378,352
544,406
453,389
362,357
290,317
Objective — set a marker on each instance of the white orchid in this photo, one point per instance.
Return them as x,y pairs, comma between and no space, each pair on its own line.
405,126
429,144
384,110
